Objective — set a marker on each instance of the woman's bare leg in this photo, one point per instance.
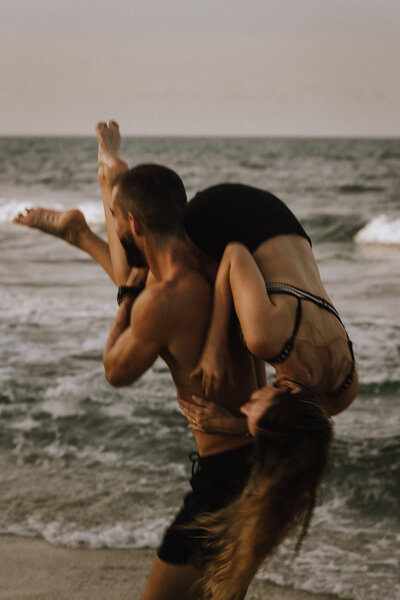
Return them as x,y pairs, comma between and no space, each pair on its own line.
110,165
72,227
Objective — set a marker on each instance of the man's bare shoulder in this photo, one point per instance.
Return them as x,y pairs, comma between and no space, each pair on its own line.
186,293
195,291
176,313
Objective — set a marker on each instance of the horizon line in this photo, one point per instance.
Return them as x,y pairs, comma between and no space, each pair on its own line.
212,135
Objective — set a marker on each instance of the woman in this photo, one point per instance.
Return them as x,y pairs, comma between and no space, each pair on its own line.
268,274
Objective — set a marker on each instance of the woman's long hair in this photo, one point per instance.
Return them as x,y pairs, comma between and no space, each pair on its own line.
291,452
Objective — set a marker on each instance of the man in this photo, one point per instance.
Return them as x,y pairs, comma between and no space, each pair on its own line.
164,314
168,318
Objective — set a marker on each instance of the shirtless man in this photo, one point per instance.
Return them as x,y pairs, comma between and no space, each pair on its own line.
164,315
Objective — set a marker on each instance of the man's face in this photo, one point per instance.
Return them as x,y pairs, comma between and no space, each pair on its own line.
134,256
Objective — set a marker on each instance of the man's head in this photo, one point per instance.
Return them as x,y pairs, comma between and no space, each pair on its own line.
152,195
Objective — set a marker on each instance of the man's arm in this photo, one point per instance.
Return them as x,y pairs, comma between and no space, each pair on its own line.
138,335
209,417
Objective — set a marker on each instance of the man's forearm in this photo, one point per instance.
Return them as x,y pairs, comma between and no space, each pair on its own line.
125,358
210,417
232,426
121,323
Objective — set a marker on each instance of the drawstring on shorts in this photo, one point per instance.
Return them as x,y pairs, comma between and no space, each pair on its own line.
195,458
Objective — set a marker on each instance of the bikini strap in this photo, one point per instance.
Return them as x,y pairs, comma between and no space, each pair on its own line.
291,290
288,347
285,288
350,376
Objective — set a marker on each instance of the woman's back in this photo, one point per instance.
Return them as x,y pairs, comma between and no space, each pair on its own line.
320,355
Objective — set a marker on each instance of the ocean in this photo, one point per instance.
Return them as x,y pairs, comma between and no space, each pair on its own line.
83,464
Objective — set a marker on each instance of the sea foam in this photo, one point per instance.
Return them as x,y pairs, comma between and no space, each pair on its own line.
120,535
380,230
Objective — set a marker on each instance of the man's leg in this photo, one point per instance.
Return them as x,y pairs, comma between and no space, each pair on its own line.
70,226
171,582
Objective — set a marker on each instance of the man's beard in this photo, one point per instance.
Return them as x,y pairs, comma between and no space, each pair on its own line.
134,256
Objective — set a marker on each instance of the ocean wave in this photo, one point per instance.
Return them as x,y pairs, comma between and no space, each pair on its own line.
93,211
332,227
366,475
379,388
120,535
389,154
359,189
381,230
9,208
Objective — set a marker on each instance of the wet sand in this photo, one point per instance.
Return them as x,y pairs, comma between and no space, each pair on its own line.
33,569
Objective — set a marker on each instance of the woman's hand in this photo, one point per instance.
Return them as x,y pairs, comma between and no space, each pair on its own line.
209,417
215,368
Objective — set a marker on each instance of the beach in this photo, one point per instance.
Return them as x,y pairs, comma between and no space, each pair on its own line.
32,568
90,474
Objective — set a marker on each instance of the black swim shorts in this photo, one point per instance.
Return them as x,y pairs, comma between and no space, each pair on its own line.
217,480
231,212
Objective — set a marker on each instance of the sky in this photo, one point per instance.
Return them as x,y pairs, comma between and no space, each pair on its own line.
201,67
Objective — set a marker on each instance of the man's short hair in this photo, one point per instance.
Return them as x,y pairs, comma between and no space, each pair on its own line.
155,194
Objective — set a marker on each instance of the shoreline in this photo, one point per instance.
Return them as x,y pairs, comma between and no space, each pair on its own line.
32,568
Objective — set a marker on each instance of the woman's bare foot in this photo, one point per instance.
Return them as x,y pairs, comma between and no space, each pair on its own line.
110,165
69,225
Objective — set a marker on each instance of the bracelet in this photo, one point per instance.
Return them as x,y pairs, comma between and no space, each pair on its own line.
127,290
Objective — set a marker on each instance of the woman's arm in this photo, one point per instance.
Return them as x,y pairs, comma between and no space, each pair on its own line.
215,365
209,417
240,285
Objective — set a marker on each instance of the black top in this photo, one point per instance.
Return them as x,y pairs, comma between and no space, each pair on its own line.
231,212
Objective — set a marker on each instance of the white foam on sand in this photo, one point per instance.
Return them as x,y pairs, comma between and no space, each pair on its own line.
120,535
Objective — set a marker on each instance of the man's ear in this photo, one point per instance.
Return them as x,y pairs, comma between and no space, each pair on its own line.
135,224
